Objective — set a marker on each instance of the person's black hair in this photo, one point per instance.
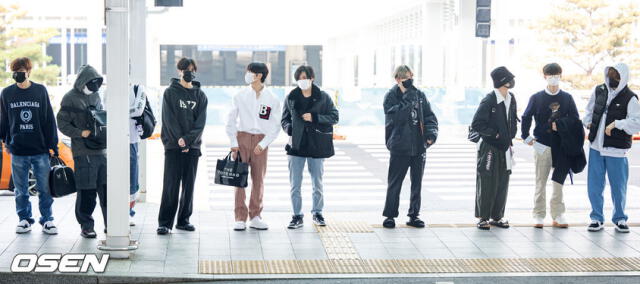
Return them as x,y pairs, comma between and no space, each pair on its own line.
552,69
308,70
183,64
259,68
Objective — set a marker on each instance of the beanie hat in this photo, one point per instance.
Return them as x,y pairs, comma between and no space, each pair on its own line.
501,76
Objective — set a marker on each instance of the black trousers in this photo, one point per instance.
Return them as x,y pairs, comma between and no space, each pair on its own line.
178,168
91,182
398,166
491,186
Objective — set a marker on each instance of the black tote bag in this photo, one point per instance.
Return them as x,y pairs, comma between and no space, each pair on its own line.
232,173
61,179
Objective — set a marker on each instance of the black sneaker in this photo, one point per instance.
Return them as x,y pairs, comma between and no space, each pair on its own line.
415,222
162,230
88,234
296,222
595,226
389,223
622,227
187,227
484,225
319,220
502,223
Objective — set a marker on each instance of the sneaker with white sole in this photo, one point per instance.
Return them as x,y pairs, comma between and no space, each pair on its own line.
595,226
622,226
239,226
538,222
258,224
49,228
23,227
560,222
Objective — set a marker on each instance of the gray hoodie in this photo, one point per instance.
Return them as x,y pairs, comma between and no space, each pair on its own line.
73,123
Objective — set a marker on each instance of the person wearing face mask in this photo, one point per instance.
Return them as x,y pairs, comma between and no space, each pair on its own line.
496,122
252,124
410,128
28,130
612,117
90,164
308,117
184,116
552,103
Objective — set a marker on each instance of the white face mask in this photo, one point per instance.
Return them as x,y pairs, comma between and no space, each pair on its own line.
249,77
553,80
304,84
86,91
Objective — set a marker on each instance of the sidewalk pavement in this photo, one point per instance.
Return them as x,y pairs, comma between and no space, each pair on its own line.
352,245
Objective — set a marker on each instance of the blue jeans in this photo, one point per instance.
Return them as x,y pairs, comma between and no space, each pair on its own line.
617,169
133,175
20,166
316,169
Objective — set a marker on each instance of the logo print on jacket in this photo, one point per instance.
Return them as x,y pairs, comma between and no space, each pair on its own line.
187,104
265,111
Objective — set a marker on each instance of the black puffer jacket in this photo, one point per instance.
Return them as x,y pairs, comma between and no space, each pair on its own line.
402,137
309,139
490,121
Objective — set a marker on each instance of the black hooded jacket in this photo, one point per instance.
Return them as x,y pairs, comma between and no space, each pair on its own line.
490,121
309,139
405,134
567,151
184,115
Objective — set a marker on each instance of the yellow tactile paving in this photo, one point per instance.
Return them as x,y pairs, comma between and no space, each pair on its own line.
408,266
345,227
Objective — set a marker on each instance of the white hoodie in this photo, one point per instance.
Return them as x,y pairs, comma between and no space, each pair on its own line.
630,125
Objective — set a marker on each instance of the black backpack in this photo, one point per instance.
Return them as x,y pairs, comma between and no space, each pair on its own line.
147,120
96,123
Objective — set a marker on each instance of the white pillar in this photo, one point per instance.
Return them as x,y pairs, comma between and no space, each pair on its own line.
118,242
63,55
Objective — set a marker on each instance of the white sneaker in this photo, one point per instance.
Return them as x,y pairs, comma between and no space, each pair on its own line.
258,224
131,223
595,226
538,222
23,227
560,222
49,228
622,226
239,226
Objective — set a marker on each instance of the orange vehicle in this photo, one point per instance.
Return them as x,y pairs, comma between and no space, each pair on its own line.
6,183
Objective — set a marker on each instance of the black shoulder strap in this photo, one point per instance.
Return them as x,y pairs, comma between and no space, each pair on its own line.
72,109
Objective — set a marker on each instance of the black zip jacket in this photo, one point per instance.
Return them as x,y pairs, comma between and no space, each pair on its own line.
567,152
490,121
184,115
309,139
27,125
402,137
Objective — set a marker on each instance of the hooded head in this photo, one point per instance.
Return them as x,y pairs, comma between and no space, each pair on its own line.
619,73
86,73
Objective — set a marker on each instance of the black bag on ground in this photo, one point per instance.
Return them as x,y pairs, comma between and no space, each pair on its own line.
232,173
147,120
61,179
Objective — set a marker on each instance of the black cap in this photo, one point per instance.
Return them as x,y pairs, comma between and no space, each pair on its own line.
501,76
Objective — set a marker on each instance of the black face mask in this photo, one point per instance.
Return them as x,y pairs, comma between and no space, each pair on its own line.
407,84
94,85
512,84
188,76
20,76
613,83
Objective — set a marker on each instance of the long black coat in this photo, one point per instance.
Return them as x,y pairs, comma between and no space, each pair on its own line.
318,133
490,121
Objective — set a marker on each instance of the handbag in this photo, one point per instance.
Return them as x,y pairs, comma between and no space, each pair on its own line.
61,179
232,172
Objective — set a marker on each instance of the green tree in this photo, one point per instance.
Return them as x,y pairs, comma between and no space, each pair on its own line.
22,42
590,34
